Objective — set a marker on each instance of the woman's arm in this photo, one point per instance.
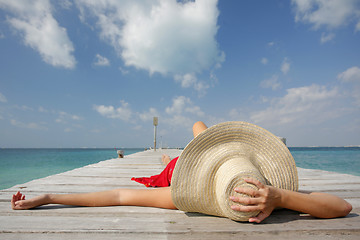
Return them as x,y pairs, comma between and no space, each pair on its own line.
267,198
158,197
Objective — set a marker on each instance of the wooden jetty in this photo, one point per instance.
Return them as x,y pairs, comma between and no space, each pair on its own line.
124,222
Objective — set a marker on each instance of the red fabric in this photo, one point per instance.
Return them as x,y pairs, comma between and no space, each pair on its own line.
161,180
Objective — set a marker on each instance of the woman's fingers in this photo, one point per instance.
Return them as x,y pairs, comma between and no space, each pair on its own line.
249,204
245,200
255,182
248,191
16,197
259,218
242,208
263,200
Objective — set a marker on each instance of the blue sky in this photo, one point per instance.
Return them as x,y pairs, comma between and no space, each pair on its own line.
94,73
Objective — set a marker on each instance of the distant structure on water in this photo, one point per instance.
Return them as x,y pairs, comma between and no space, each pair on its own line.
283,139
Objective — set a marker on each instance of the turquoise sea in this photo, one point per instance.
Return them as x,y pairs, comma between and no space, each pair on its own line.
22,165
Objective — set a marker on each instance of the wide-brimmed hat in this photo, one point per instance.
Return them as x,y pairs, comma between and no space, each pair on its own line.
218,160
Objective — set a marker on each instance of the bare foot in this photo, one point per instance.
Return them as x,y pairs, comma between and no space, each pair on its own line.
18,201
165,159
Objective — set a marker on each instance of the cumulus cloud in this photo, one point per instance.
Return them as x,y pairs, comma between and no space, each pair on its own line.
179,115
272,83
330,14
285,66
182,105
327,13
66,4
301,106
2,98
350,75
182,114
190,80
101,61
40,31
123,112
149,115
163,36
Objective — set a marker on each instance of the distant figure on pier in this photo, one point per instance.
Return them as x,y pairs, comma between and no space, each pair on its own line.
234,169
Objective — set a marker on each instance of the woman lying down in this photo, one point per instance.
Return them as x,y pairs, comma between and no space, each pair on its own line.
233,169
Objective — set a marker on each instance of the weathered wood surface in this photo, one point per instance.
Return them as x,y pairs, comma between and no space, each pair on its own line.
123,222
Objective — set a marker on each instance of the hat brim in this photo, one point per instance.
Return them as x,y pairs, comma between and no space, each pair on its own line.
218,160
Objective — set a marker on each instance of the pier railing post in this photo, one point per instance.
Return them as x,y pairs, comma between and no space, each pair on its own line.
155,122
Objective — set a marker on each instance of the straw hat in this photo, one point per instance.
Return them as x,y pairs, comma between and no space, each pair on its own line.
218,160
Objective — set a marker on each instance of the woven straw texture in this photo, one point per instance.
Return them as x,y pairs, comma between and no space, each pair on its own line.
218,160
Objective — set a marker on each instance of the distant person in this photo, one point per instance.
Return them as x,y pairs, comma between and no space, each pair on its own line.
235,169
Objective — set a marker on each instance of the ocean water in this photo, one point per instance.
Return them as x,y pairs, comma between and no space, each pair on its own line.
334,159
22,165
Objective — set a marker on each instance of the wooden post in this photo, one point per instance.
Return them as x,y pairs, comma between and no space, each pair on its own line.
155,122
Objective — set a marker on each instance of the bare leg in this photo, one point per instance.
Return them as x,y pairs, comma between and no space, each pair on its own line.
157,197
198,128
165,159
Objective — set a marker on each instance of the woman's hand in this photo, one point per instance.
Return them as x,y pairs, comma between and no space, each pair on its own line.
264,200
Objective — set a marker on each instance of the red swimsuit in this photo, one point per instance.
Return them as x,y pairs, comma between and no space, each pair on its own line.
161,180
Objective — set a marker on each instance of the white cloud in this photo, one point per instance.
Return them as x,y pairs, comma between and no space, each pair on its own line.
285,66
357,27
40,31
31,125
163,36
66,4
186,80
64,117
301,105
101,61
2,98
327,13
330,14
350,75
326,37
123,71
190,80
180,115
149,115
42,109
123,112
272,83
183,105
270,44
183,113
264,61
